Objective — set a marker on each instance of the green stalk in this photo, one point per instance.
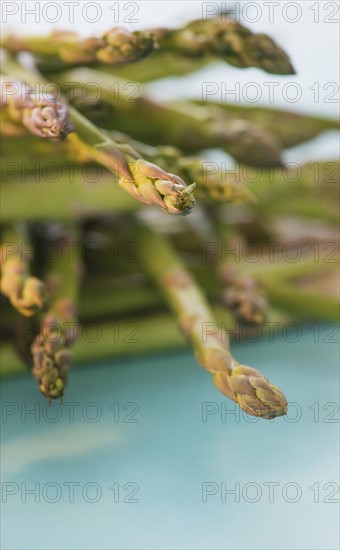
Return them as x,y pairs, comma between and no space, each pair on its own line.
68,198
289,128
317,206
282,269
303,304
246,386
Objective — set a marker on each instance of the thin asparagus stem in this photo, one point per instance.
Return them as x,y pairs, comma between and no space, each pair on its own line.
114,47
51,352
244,385
27,294
143,180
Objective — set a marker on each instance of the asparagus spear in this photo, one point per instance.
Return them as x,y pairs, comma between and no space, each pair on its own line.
228,40
27,294
288,127
241,294
116,46
42,114
243,297
50,349
189,127
244,385
210,185
143,180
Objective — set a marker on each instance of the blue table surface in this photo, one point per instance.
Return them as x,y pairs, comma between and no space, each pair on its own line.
146,454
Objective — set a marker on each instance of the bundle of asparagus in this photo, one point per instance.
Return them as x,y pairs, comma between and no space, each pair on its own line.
110,250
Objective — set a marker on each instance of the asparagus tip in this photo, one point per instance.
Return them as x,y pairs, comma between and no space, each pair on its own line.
252,391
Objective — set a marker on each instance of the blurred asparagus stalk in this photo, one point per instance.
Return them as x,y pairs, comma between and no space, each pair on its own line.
243,296
210,185
71,197
50,349
289,128
143,180
189,127
244,385
26,293
241,293
116,46
228,40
